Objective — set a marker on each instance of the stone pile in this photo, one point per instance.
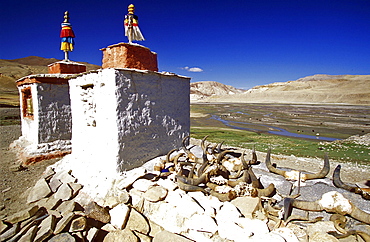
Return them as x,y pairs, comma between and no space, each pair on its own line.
145,205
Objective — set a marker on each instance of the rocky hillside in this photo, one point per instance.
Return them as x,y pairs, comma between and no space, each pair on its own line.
346,89
11,70
205,89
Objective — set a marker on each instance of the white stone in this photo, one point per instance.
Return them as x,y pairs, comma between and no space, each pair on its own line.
287,234
39,191
265,237
64,176
228,212
167,236
167,183
322,237
129,177
155,193
202,223
136,196
199,236
229,230
136,221
252,226
108,228
210,204
320,227
64,192
187,206
119,215
142,184
174,197
168,217
247,205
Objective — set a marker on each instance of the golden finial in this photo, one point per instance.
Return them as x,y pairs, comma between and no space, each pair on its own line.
131,9
66,17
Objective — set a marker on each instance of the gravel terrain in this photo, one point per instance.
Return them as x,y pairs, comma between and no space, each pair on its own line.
14,183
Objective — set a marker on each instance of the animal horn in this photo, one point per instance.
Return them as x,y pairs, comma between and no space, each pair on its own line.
219,147
254,180
245,164
186,150
270,167
202,145
333,202
324,171
307,205
365,193
267,192
221,155
254,156
338,182
168,156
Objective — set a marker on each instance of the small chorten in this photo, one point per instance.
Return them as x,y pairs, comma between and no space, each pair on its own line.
67,36
131,24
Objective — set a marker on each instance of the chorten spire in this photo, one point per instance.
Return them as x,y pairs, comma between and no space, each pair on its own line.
67,36
131,24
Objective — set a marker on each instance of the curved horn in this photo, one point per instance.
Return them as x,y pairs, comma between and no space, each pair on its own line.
204,148
176,158
360,215
191,156
193,181
324,171
245,164
254,157
221,155
307,205
270,167
189,188
186,150
168,156
205,161
254,180
266,192
338,182
219,147
334,202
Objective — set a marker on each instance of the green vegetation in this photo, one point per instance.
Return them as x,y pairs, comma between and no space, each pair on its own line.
284,145
10,120
218,132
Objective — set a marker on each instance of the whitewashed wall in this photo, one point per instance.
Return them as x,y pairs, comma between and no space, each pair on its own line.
121,118
54,112
30,129
51,113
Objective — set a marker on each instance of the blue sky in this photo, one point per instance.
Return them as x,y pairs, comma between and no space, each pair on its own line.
241,43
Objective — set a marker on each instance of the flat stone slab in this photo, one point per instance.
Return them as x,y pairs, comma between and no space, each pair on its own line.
94,211
39,191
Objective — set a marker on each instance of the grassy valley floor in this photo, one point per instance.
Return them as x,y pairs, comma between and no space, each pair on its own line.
334,121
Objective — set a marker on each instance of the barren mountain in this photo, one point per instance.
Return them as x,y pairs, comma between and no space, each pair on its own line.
11,70
345,89
205,89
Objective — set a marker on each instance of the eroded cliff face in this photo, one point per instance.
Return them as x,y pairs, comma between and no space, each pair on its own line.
205,89
344,89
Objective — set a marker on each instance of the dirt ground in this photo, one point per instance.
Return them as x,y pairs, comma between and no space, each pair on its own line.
14,183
